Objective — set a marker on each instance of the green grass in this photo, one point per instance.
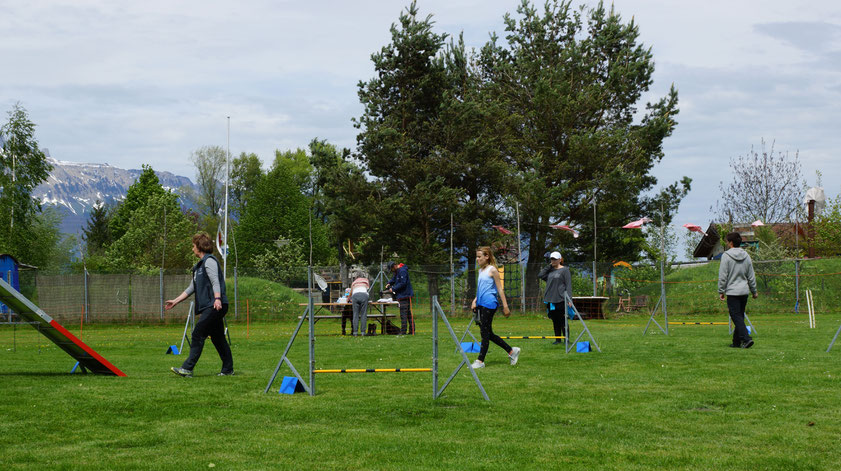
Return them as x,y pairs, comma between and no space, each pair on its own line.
691,290
261,298
680,402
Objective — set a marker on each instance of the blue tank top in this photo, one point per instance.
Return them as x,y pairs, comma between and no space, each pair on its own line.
486,290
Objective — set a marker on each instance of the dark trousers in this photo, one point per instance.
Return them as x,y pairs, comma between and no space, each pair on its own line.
558,317
407,320
210,324
486,318
736,306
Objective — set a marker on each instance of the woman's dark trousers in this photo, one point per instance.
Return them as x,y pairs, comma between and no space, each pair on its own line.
486,318
210,324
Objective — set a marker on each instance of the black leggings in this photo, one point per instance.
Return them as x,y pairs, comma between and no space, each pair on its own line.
486,318
558,316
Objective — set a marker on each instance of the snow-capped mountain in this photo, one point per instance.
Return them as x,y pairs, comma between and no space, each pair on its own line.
74,188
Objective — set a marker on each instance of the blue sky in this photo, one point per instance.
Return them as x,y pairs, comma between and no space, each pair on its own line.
127,83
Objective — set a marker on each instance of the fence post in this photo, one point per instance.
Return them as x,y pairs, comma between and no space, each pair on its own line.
796,285
87,307
161,279
236,285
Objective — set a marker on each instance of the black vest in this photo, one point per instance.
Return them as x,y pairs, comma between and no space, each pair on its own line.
201,283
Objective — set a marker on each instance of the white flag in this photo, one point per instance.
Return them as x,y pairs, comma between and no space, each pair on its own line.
221,241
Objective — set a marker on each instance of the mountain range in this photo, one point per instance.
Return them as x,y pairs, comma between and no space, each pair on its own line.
74,188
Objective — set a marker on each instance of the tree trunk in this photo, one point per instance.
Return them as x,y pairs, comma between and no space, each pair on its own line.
535,262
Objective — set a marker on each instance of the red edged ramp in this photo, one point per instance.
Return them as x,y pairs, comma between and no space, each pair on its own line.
54,331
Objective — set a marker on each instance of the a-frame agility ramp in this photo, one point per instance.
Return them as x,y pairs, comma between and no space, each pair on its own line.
88,359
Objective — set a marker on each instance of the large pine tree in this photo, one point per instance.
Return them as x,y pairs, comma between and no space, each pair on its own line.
566,86
97,233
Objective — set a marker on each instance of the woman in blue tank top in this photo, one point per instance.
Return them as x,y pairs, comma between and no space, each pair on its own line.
485,305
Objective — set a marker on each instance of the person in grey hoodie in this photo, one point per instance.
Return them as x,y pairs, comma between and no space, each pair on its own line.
735,280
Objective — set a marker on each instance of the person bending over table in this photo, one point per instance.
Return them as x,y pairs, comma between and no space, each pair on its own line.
485,304
211,306
401,287
558,281
359,300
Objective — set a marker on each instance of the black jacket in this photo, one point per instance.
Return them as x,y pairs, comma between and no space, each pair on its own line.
201,283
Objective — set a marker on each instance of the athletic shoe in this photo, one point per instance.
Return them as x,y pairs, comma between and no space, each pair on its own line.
515,355
225,374
733,345
182,372
477,364
558,342
748,344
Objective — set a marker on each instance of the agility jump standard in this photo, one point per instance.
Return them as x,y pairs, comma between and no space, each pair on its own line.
88,359
309,386
567,345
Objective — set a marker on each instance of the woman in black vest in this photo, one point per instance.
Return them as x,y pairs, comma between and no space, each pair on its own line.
211,305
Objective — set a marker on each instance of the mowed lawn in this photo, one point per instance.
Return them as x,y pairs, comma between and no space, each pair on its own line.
685,401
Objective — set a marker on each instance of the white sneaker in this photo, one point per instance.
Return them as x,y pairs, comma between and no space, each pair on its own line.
477,364
515,355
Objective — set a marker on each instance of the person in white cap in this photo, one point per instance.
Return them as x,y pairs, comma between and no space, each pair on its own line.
558,281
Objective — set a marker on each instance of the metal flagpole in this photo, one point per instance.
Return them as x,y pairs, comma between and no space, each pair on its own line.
595,237
520,263
662,267
227,179
452,275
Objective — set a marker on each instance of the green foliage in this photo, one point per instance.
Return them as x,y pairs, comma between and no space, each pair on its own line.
400,129
297,165
565,90
345,200
246,172
277,208
281,262
210,162
156,236
827,227
24,167
97,231
139,193
44,245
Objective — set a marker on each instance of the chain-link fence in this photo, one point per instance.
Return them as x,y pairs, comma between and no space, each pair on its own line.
617,289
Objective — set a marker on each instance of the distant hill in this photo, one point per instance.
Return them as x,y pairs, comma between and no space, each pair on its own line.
73,188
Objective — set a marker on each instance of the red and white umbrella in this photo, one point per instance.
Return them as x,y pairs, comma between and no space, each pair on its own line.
636,224
565,228
694,228
757,223
502,229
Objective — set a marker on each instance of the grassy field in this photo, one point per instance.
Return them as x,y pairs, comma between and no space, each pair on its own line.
682,402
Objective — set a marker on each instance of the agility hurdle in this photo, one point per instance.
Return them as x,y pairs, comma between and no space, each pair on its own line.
567,345
377,370
532,337
729,324
699,323
309,386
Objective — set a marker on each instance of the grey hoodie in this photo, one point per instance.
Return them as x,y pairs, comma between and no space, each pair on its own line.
735,275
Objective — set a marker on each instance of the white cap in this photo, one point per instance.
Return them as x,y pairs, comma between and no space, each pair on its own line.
556,255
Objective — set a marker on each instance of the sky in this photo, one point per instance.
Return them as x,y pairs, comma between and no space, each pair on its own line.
127,83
